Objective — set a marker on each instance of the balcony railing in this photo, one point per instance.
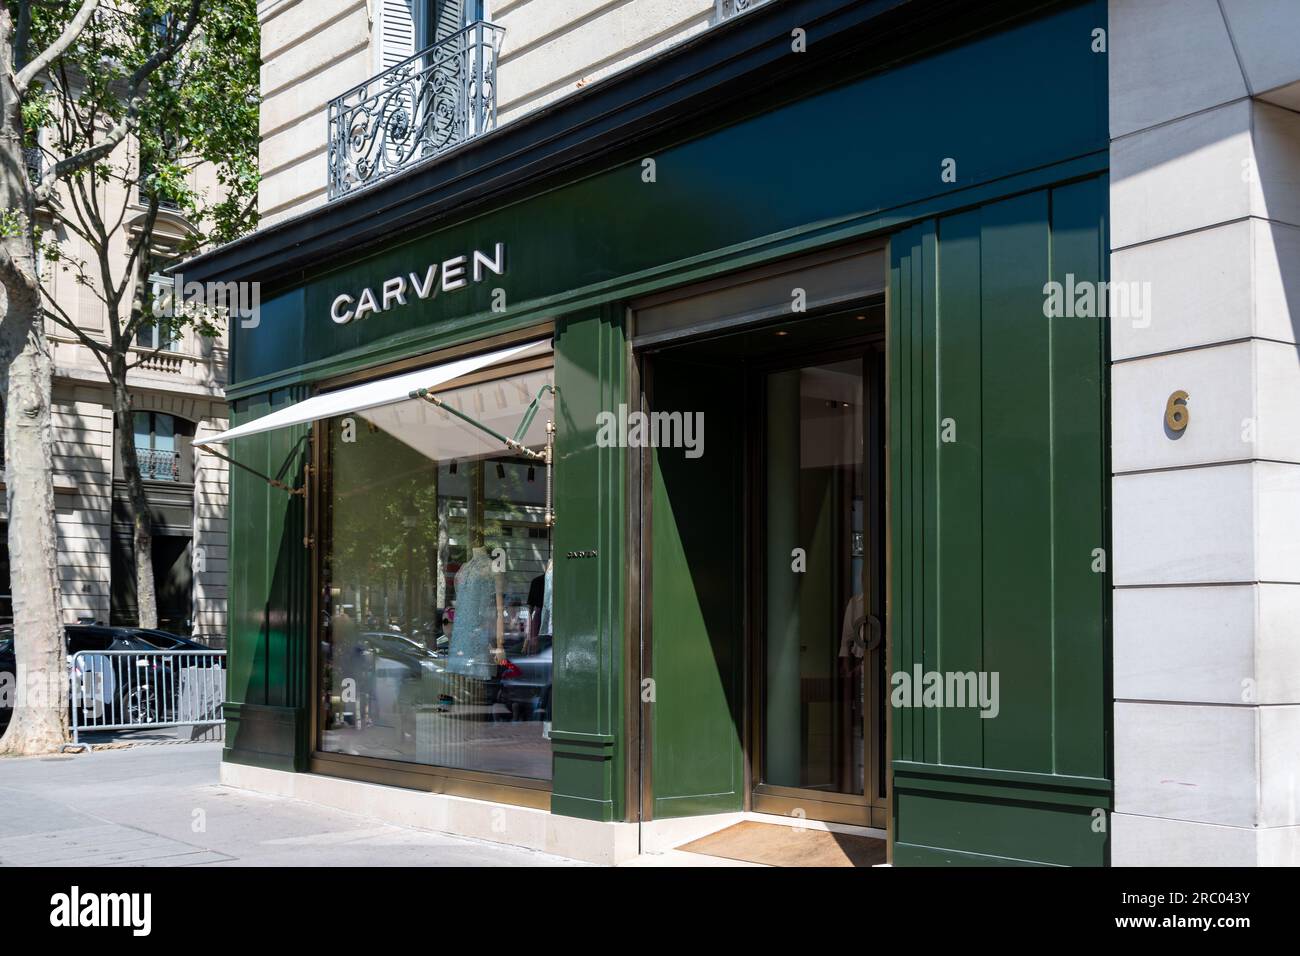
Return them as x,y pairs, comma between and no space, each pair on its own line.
142,198
730,8
158,464
35,161
426,104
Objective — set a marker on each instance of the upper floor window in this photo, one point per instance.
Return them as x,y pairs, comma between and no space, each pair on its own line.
144,191
155,446
408,26
159,442
152,337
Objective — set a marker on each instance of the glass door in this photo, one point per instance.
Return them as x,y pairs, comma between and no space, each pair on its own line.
820,655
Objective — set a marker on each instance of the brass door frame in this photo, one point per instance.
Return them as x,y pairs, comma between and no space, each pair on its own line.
871,809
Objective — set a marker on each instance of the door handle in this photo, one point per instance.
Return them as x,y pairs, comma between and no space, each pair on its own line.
872,641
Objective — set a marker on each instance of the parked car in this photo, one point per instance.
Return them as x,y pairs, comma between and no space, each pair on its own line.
102,680
167,641
398,658
526,686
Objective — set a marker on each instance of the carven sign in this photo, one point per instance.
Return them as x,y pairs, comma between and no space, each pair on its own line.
450,275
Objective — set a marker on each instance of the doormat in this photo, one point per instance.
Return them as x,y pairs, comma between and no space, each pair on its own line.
776,845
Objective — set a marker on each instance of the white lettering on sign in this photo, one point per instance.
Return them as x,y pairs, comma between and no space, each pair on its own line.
450,275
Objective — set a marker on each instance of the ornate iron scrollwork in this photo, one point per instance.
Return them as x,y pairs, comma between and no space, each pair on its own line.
439,98
730,8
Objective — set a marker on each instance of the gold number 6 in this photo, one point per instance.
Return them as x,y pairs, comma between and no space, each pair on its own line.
1176,411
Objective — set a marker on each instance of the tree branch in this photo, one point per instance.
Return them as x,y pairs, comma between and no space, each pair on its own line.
51,53
71,164
63,320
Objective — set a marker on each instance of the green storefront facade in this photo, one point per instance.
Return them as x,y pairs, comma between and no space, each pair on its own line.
966,149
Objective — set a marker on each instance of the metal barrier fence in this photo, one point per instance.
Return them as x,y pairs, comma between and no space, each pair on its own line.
126,690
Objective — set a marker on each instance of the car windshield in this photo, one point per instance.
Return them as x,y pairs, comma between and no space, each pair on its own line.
160,641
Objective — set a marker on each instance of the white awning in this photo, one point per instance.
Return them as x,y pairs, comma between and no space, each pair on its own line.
380,392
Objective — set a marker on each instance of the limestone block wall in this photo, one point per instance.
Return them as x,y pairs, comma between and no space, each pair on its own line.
83,490
1205,215
211,532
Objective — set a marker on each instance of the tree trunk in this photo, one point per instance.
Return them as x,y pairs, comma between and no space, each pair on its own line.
137,504
40,717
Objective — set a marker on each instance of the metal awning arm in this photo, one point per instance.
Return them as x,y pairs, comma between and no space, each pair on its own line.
273,482
514,444
531,411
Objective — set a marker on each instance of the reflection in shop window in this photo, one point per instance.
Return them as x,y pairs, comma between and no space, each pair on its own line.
436,584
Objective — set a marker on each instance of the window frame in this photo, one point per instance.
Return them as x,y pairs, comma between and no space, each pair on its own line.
528,792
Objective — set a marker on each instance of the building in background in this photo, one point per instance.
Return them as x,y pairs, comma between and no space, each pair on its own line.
177,394
834,239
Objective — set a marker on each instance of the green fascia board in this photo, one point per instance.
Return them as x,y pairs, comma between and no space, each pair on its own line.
745,255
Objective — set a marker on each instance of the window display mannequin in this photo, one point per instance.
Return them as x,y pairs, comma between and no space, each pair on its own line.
478,629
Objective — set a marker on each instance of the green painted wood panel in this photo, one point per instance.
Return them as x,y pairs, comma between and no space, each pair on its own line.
958,584
587,738
993,533
268,643
696,589
1081,597
1017,490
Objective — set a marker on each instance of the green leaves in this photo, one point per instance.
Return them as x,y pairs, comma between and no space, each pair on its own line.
185,176
200,107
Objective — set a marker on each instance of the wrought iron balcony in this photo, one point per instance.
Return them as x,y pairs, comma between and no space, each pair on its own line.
730,8
35,161
439,98
158,464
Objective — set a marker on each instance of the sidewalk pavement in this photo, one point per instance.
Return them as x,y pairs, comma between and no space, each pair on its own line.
162,806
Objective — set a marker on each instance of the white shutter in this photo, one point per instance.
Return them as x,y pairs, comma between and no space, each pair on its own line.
451,19
396,32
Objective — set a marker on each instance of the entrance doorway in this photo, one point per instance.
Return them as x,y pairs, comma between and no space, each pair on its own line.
762,572
818,576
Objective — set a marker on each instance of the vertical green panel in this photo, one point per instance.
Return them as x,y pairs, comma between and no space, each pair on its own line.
288,561
904,255
697,573
1078,464
246,658
270,571
958,530
590,502
992,534
924,480
1017,489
